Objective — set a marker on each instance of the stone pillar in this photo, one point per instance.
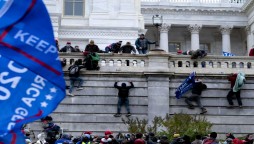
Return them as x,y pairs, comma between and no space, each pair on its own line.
194,29
164,28
158,84
158,97
249,39
225,31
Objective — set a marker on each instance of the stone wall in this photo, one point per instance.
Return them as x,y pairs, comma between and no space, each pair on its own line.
155,76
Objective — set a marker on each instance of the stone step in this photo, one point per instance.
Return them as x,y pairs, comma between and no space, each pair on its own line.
90,100
216,85
78,118
98,109
108,91
215,93
218,102
109,84
215,111
92,126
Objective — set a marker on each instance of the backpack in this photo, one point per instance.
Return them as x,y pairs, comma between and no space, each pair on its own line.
73,70
94,57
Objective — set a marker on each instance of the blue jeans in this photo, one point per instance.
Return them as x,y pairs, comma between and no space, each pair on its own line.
142,51
73,80
122,101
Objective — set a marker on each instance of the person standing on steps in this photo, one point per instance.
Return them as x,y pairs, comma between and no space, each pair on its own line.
237,81
123,94
74,71
197,89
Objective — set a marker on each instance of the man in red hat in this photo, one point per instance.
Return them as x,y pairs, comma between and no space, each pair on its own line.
68,48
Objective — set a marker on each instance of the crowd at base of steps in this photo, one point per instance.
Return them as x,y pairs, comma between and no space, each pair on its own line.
52,135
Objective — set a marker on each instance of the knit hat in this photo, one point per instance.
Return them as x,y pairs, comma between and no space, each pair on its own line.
139,141
68,43
88,132
108,132
91,41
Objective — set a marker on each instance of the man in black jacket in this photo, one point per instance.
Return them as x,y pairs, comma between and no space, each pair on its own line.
128,48
123,93
197,89
74,76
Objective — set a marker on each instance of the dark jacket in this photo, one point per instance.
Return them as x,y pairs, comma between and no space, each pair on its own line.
232,79
115,47
92,48
127,49
123,91
198,87
138,43
76,74
64,49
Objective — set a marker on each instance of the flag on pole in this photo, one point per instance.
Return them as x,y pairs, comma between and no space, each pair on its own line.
186,85
227,54
31,77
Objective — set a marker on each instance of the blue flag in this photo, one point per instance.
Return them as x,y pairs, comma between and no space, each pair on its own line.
186,85
31,77
227,54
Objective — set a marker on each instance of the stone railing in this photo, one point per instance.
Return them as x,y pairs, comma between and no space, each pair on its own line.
168,63
236,3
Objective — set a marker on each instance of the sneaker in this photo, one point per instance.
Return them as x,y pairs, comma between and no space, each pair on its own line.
79,88
191,106
203,111
117,115
70,94
128,114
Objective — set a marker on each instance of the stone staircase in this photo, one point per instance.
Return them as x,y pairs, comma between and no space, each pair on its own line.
93,107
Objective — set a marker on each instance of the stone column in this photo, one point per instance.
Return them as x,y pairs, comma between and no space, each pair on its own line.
225,31
164,28
158,97
249,39
194,29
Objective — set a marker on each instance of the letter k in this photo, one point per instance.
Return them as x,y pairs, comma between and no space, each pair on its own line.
21,35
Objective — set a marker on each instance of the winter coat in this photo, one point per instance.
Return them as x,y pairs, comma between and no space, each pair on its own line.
240,80
115,47
198,87
92,48
78,72
232,79
127,49
64,49
123,91
146,42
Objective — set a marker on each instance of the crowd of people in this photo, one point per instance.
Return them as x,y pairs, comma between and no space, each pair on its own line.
52,135
141,44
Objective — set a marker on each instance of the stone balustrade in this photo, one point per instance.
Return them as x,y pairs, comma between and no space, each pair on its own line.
237,2
168,63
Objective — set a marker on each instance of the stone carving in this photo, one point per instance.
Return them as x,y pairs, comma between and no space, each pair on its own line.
247,29
194,28
164,27
93,34
226,29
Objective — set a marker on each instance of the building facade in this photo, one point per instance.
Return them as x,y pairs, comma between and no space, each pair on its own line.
212,25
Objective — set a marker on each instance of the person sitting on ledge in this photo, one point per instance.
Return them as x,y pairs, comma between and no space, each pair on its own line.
68,48
91,47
